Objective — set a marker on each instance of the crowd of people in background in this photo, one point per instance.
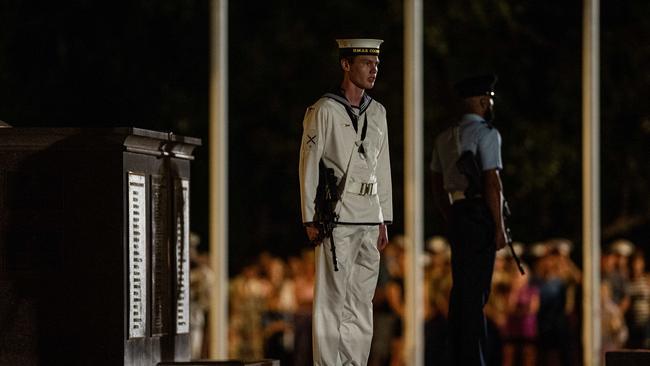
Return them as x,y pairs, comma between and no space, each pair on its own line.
533,319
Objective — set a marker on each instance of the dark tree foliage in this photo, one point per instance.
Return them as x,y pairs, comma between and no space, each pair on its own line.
625,133
283,58
117,63
145,63
535,50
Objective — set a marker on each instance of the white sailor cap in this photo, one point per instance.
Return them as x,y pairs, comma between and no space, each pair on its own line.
518,247
622,247
358,46
564,246
437,244
538,249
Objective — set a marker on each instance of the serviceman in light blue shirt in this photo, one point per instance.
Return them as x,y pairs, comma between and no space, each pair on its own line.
472,206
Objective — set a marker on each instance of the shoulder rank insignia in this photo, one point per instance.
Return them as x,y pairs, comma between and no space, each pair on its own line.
311,140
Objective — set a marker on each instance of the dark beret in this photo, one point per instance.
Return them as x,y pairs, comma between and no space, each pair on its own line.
476,85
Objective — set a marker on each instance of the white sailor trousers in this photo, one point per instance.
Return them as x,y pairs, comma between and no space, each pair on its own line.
342,322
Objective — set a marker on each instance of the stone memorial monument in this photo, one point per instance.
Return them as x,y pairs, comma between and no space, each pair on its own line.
94,246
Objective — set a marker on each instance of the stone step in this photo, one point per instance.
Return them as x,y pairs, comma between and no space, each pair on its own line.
222,363
628,357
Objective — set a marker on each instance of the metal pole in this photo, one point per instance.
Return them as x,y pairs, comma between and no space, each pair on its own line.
591,184
218,140
413,181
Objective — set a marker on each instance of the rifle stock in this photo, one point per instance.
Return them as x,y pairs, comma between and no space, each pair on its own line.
327,196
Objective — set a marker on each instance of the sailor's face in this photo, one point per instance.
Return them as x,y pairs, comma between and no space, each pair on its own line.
363,71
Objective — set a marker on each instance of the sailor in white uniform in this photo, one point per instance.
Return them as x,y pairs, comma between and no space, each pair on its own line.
347,131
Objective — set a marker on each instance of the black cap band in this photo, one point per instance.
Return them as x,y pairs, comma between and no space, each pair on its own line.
358,51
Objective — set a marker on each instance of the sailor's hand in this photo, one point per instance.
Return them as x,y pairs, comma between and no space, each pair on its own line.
500,238
312,234
382,240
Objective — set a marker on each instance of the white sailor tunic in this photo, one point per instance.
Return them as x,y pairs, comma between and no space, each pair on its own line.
357,152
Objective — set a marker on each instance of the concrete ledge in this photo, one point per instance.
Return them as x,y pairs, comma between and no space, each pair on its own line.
222,363
628,357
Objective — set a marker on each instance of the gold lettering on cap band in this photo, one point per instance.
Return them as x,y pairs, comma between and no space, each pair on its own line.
363,50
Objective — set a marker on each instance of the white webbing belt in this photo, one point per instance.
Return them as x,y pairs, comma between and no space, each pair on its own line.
362,189
456,196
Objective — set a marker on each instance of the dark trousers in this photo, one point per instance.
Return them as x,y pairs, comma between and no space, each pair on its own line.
472,263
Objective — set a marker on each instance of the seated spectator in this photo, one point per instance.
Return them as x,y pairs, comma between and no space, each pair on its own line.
638,315
613,328
520,334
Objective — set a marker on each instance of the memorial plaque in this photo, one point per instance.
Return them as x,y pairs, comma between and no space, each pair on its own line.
79,288
3,190
182,254
160,256
137,253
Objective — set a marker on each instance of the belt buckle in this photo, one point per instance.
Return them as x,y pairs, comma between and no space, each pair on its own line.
366,188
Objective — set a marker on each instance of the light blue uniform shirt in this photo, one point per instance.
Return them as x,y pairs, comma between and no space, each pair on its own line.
472,133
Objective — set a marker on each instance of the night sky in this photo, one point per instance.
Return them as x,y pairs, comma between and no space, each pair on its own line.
146,64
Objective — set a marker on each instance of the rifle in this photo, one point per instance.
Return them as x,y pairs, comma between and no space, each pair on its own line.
327,196
506,216
468,166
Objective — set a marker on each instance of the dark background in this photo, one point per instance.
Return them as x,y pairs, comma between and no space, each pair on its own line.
146,64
